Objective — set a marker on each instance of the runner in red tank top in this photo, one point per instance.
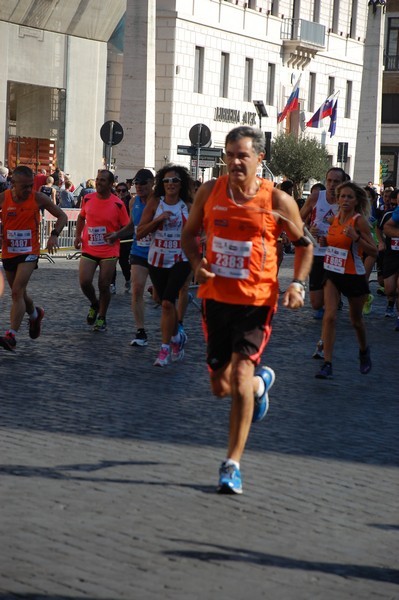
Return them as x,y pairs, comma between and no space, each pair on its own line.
101,214
20,216
242,216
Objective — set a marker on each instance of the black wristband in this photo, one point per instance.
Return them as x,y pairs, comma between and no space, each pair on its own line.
55,232
302,283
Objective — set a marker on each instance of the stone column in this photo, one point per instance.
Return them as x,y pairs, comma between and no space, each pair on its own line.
368,141
137,115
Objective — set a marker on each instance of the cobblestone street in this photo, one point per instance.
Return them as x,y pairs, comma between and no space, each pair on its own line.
109,465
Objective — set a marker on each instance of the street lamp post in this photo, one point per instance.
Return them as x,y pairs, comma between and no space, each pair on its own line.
261,110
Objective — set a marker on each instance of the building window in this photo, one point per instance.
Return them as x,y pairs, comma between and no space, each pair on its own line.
224,75
274,8
199,70
335,16
352,30
271,77
348,100
312,91
249,69
296,9
316,11
392,48
331,85
390,113
252,4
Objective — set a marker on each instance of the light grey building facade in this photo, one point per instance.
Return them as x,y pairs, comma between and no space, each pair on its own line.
159,67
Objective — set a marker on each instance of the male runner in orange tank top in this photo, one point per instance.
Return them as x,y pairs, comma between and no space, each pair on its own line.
242,216
20,215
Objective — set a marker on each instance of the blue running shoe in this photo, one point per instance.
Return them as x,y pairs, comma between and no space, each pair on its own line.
229,480
180,329
365,361
325,371
177,348
262,403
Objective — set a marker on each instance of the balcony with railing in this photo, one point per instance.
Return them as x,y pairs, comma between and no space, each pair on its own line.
391,62
302,39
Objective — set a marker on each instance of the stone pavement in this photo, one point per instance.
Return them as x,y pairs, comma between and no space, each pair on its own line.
108,465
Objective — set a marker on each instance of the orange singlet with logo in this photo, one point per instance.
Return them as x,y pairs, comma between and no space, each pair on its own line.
343,255
241,247
20,226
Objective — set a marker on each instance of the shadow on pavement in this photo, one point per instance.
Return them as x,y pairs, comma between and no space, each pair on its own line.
219,553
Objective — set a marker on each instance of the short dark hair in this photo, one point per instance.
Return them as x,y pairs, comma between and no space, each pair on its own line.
243,131
344,176
317,186
111,176
371,191
23,170
286,185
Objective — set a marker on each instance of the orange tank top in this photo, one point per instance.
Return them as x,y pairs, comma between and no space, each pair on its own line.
241,249
343,255
20,226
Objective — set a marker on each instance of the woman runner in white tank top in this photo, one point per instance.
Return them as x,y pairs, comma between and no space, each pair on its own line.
164,217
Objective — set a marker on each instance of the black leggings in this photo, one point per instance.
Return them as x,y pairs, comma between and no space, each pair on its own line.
124,262
168,282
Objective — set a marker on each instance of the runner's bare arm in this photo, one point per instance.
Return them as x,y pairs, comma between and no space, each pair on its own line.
288,210
44,202
120,234
147,222
80,223
309,205
391,229
362,235
191,231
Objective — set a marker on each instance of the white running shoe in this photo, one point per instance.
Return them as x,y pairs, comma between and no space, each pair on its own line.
319,352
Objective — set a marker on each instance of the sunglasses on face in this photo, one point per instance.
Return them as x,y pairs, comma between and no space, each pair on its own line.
171,180
121,190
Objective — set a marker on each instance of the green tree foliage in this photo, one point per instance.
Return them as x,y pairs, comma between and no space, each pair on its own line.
298,159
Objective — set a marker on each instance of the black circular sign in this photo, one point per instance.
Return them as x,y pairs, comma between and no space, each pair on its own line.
199,135
111,133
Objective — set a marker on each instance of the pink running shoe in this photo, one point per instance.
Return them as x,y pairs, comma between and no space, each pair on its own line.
163,358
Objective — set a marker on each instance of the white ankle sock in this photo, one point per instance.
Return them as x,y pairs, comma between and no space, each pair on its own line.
234,463
261,388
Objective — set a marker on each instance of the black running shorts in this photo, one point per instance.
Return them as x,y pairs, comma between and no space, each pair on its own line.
235,328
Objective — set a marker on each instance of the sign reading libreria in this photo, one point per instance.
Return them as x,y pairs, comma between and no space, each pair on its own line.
230,115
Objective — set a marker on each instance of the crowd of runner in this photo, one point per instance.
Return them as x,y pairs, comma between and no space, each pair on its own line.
338,235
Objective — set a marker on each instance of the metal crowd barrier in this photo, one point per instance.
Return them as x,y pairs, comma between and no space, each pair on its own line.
66,248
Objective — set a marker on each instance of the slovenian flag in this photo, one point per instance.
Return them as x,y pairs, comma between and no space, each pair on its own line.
292,102
333,118
325,110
